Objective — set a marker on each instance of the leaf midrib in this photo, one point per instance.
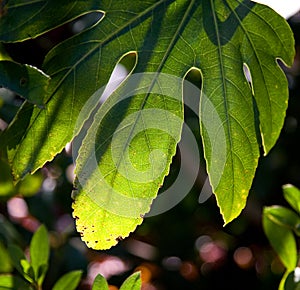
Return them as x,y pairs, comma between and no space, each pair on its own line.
221,65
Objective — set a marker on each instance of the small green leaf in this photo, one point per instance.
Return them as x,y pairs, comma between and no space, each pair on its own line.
27,270
292,195
68,281
25,80
20,263
278,230
16,255
8,232
133,282
13,283
39,253
282,216
100,283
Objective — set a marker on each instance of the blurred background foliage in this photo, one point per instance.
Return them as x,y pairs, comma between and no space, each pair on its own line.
184,248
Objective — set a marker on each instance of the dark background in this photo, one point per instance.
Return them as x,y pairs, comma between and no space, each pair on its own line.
184,248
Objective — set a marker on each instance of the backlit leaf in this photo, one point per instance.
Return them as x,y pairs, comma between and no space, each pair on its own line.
292,195
133,282
232,43
100,283
21,20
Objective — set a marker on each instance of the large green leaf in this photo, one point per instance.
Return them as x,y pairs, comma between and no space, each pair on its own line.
219,38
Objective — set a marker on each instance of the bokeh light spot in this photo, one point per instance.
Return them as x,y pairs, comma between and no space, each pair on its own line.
243,257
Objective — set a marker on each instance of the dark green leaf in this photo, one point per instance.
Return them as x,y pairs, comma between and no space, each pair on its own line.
8,233
39,253
68,281
6,263
292,195
21,20
100,283
3,53
25,80
292,281
16,255
133,282
278,231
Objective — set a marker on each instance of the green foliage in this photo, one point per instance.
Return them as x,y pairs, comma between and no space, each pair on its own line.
17,256
278,225
8,281
133,282
219,38
34,270
281,225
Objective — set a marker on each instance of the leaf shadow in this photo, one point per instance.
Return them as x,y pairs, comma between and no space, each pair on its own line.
220,32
